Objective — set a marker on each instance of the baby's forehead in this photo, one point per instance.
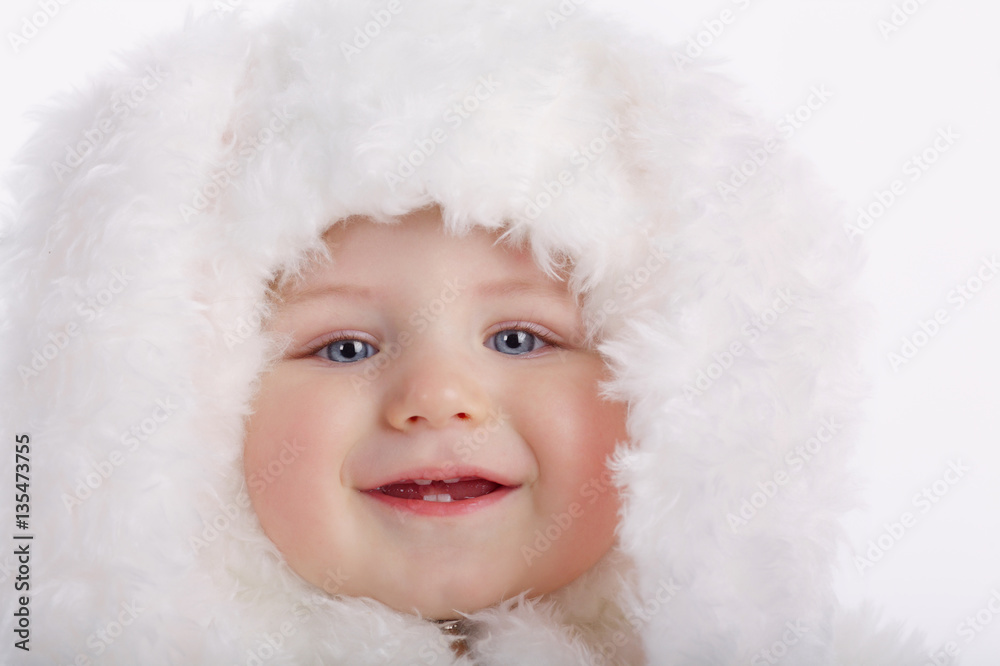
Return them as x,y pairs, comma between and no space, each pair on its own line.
369,255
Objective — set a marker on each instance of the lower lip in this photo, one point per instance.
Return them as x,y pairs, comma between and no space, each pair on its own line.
453,508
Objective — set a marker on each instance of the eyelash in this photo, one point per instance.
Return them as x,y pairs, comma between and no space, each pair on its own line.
529,327
315,349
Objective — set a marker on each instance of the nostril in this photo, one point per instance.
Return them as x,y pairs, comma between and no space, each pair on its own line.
416,418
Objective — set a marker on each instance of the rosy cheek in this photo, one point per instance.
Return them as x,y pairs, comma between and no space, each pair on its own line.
572,432
304,428
277,465
278,445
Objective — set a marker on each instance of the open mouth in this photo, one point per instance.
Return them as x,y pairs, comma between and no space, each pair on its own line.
446,490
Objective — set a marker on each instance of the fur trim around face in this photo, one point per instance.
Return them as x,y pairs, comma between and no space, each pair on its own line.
712,271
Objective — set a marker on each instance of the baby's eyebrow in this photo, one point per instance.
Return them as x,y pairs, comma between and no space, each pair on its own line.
499,288
511,287
326,290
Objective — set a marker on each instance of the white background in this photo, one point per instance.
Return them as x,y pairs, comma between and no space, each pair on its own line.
891,94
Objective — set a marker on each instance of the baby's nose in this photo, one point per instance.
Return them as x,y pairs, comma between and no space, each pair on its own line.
437,397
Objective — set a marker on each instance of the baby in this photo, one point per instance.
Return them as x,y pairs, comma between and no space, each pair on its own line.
392,333
440,412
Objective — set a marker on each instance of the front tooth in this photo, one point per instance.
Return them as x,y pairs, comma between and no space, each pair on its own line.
444,497
453,480
422,482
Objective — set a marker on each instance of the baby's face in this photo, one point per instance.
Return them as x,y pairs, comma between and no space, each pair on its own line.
433,437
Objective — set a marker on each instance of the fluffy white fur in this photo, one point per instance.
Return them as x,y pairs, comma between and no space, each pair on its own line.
170,531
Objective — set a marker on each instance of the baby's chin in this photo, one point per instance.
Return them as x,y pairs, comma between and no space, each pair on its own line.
437,597
449,604
449,583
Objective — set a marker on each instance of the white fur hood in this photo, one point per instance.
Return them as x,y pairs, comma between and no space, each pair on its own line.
152,209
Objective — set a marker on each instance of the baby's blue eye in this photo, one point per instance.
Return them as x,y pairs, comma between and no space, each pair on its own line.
514,342
347,351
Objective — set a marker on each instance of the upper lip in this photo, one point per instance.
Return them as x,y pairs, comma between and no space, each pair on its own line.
439,473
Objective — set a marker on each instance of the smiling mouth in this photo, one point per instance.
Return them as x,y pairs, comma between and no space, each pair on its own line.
447,490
